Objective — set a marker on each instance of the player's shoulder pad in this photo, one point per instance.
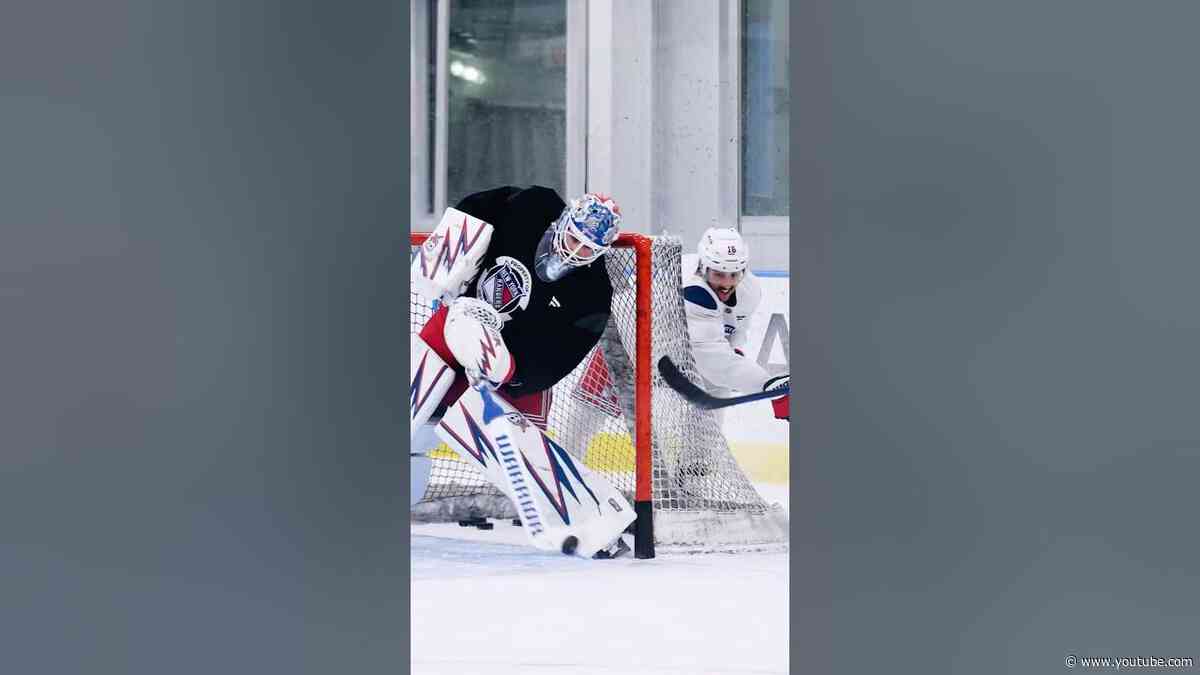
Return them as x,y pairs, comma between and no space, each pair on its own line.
749,292
531,210
487,205
700,295
486,198
541,196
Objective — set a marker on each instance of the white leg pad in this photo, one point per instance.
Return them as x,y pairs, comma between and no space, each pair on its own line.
556,496
429,378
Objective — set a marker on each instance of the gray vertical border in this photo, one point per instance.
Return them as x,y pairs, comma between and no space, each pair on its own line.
404,625
811,584
998,202
202,260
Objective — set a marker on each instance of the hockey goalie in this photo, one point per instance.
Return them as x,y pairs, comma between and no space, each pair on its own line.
520,301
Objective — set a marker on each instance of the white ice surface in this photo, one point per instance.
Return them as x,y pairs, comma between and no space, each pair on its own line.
484,601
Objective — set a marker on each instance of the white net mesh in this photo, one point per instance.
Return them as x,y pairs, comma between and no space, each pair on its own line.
702,499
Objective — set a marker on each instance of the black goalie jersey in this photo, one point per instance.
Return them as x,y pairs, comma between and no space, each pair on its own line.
563,319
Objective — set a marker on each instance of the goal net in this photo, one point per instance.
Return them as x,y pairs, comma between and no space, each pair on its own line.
614,413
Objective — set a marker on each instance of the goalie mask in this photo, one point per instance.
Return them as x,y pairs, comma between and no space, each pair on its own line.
582,234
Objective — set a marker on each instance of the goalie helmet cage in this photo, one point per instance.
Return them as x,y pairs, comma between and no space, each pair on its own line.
615,413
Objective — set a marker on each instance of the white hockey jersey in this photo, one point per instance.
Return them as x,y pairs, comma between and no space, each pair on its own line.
716,329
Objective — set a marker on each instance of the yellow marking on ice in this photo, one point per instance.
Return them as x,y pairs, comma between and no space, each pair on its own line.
608,451
763,462
613,452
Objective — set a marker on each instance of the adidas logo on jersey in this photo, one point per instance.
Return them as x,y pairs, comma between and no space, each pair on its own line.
554,302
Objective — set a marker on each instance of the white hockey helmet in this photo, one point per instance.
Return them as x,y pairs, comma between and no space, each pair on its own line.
723,249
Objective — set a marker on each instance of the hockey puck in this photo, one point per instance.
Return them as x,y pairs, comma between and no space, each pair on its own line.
516,521
484,526
570,544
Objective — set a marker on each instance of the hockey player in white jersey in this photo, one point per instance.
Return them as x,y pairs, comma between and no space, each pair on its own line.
720,295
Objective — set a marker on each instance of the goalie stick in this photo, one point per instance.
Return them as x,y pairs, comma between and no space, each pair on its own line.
675,379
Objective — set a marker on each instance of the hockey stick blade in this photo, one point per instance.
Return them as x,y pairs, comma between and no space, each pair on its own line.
675,379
